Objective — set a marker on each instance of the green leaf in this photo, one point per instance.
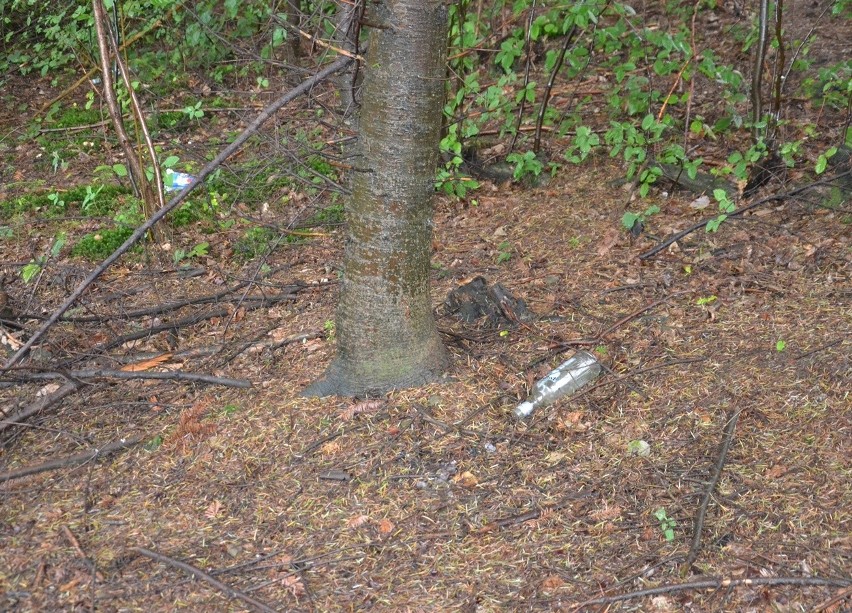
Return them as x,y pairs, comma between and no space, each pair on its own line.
154,443
628,220
58,244
780,346
171,161
30,271
120,169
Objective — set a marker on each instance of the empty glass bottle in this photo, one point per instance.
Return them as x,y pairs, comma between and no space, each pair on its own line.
567,378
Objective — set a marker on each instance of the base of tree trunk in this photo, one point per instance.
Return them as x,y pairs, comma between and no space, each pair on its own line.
339,381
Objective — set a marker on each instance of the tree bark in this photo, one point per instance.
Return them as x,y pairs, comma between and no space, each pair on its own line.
386,333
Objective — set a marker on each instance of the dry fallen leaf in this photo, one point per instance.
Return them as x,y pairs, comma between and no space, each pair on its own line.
312,345
466,479
213,509
553,582
385,527
357,521
608,242
294,585
776,471
554,457
606,512
147,364
330,448
360,407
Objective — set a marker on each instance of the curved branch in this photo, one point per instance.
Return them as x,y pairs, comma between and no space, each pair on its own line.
266,114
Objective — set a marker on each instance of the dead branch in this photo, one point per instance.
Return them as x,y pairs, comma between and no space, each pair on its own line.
129,41
775,198
230,592
226,153
710,584
818,349
826,605
141,184
159,309
147,332
249,303
39,405
530,515
141,123
107,373
698,525
71,460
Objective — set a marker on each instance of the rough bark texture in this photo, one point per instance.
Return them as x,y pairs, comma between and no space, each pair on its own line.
387,338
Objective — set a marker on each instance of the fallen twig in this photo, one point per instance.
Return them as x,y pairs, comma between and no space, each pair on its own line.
304,87
818,349
159,309
72,460
530,515
108,373
775,198
698,525
230,592
824,606
708,584
39,405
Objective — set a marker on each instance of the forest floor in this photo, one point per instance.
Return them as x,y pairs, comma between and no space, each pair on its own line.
436,499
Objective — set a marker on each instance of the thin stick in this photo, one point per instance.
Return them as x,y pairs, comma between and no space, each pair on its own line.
545,98
39,405
636,314
253,127
92,71
108,373
140,182
775,198
143,127
698,526
326,45
71,460
824,606
230,592
710,584
527,67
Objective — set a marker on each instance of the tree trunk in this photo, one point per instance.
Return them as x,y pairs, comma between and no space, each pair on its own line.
386,333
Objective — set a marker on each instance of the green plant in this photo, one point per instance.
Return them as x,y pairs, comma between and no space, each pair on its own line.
705,300
526,164
58,163
90,199
725,207
822,161
329,328
505,252
154,444
629,220
194,111
31,270
57,204
255,242
667,524
780,346
98,245
201,249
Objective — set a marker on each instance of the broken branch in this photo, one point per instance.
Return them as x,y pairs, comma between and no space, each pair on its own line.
72,460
